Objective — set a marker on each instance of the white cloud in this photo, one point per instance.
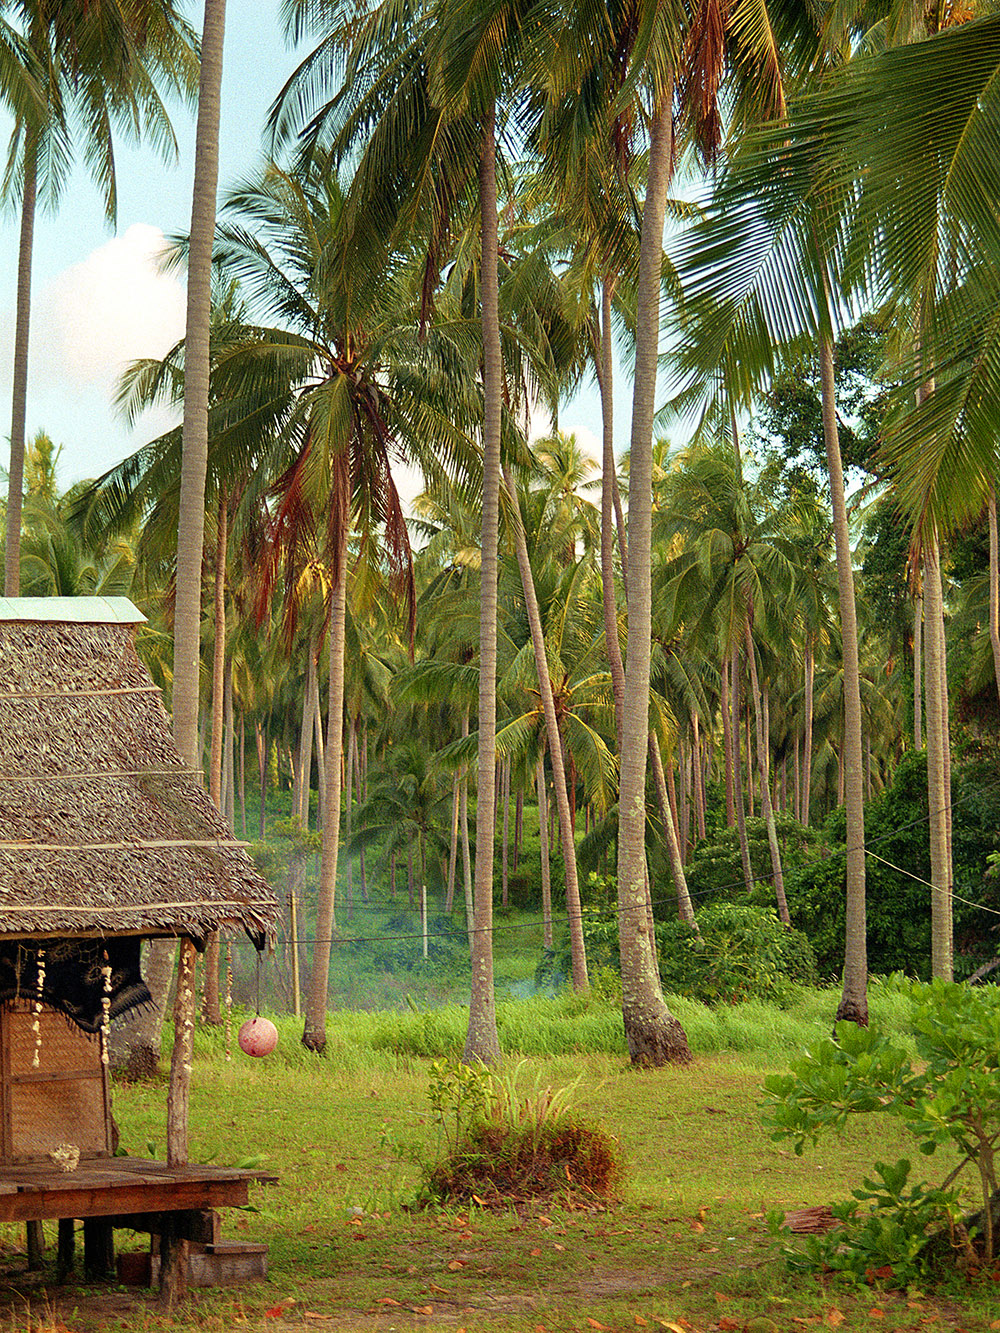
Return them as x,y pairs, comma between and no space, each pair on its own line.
112,308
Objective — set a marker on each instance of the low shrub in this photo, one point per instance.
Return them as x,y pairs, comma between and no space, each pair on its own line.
947,1097
738,953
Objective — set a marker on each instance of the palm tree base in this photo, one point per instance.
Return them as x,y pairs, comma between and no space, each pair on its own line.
655,1039
314,1039
852,1010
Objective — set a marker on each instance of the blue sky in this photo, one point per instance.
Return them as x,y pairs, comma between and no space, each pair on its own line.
98,297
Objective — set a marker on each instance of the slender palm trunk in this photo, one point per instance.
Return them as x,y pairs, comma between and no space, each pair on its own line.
211,1007
218,658
727,741
653,1034
684,909
854,994
994,586
608,597
578,951
310,700
349,766
482,1040
191,522
449,897
466,850
194,460
697,782
918,676
741,822
317,713
314,1033
807,741
938,793
543,848
763,748
505,837
19,396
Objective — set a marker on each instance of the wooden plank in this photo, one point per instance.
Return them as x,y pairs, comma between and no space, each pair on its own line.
50,1075
124,1196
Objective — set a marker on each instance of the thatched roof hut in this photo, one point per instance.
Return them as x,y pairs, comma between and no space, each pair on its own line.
103,830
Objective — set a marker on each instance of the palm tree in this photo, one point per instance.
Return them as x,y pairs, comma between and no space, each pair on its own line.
97,66
341,387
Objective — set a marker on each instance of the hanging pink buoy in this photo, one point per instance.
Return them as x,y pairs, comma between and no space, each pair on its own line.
258,1036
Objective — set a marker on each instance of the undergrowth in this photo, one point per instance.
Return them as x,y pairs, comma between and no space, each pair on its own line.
568,1024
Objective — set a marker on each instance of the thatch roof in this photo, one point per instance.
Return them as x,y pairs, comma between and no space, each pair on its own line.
103,829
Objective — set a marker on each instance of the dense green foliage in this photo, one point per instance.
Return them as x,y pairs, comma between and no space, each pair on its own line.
898,872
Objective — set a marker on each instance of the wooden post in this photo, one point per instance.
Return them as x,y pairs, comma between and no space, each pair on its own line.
66,1253
173,1249
35,1239
98,1248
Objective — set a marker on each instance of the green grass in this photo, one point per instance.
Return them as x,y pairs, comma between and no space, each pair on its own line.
344,1133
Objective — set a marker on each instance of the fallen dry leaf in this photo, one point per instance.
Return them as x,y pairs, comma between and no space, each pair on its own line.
544,1221
876,1313
311,1314
643,1323
674,1328
834,1318
386,1300
595,1323
696,1225
422,1309
729,1325
456,1264
481,1202
557,1246
535,1252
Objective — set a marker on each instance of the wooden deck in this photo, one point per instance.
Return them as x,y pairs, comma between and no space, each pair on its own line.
121,1188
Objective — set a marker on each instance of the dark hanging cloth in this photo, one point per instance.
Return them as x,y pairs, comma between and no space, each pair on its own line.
73,981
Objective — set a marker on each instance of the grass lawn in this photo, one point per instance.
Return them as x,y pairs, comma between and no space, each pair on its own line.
686,1249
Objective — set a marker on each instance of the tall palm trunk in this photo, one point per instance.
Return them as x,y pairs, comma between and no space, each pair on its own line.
741,820
609,600
314,1033
684,909
543,850
482,1040
466,851
449,897
854,994
763,748
727,741
654,1036
578,952
19,395
505,838
310,702
807,737
918,681
938,786
211,1007
194,458
994,585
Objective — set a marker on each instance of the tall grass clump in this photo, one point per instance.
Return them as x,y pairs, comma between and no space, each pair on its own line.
505,1144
